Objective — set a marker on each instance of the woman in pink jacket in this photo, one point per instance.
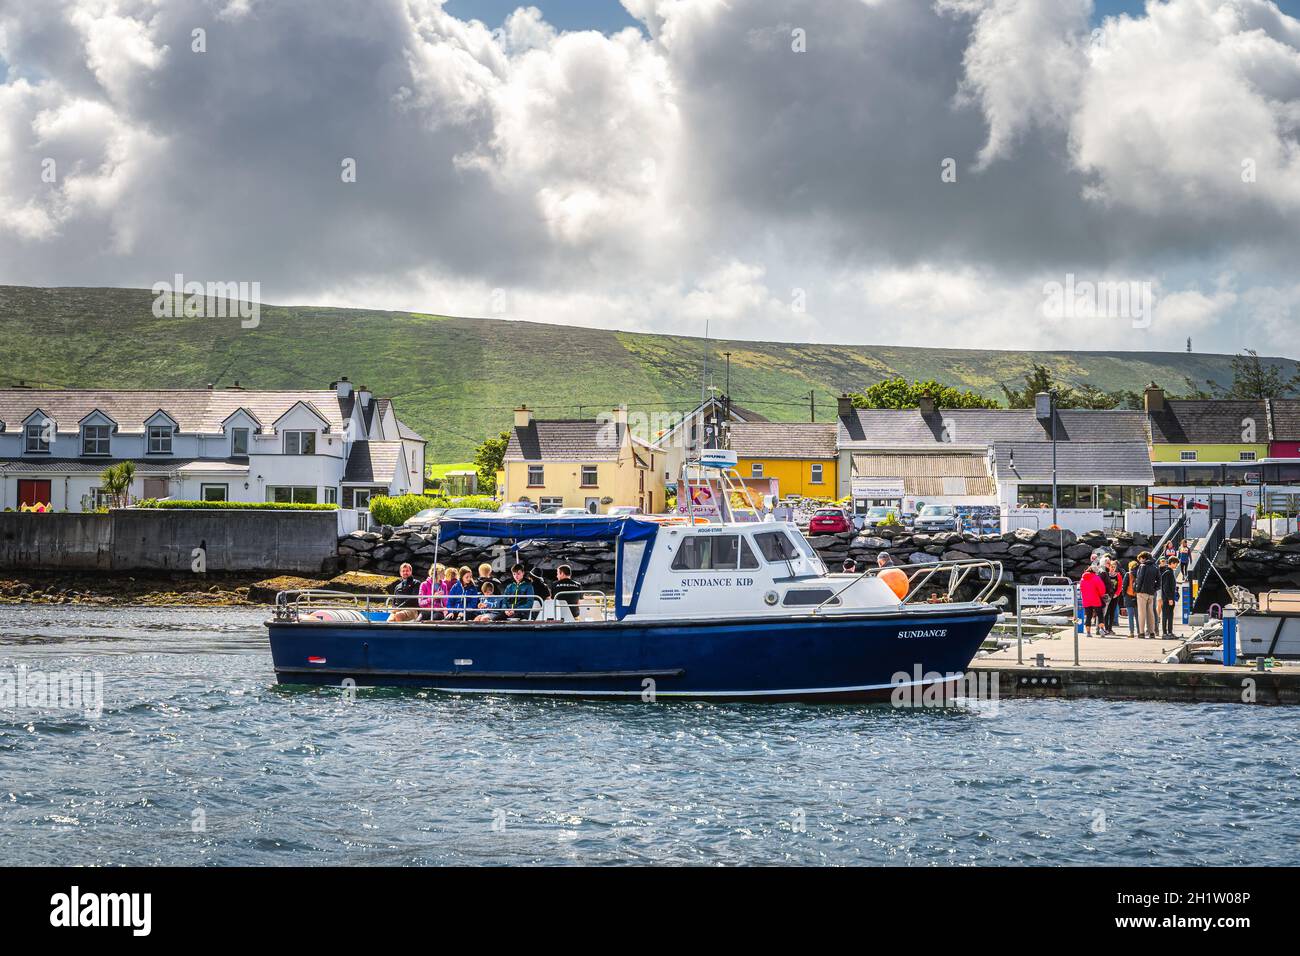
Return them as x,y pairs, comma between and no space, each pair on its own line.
433,595
1093,591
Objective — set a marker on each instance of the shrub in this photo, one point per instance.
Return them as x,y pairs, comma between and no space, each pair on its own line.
232,505
395,510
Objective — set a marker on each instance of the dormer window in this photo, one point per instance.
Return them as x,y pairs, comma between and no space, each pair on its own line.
300,443
160,439
94,440
36,439
239,443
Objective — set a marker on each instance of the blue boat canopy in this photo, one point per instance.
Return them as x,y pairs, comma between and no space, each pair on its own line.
541,527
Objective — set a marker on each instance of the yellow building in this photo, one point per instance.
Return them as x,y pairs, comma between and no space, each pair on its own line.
594,464
801,456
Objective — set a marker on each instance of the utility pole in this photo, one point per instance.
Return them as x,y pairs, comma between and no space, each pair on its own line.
812,406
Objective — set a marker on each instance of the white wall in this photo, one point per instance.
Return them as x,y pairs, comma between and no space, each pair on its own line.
1078,520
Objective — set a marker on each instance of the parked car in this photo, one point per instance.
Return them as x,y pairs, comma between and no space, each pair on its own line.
425,516
572,513
517,508
617,510
829,521
879,515
936,518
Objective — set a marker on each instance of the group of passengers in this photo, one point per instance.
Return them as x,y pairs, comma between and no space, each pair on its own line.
456,594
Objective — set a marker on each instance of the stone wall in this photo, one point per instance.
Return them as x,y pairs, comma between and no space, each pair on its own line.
1262,564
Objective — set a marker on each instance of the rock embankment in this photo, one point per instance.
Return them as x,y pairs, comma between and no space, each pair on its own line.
1263,563
1025,554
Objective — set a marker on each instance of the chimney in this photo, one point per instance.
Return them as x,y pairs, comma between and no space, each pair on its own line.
343,387
235,388
844,405
926,404
209,386
364,395
523,416
1153,399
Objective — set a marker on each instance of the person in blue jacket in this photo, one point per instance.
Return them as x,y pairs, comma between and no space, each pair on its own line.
462,598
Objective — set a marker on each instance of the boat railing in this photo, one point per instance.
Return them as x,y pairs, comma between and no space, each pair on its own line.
589,605
929,577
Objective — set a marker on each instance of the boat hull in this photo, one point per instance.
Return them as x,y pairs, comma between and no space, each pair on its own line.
859,657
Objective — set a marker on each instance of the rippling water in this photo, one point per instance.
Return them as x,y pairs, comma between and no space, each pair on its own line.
198,758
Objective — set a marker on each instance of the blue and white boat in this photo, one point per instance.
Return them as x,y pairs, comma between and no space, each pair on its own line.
730,611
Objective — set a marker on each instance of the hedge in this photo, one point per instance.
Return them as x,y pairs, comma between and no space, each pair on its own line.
396,510
232,505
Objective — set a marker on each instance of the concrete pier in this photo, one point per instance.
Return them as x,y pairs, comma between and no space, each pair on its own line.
1122,668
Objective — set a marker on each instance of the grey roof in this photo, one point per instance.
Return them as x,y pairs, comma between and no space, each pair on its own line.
783,440
93,466
1286,419
193,409
583,439
885,427
372,462
1092,463
1209,421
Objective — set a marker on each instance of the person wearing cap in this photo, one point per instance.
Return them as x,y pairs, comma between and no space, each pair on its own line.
883,560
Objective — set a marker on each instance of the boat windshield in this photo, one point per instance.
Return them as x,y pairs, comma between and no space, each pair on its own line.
800,558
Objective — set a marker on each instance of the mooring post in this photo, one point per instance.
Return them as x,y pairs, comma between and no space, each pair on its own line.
1020,636
1229,635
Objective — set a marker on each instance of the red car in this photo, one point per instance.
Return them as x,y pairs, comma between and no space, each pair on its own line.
829,521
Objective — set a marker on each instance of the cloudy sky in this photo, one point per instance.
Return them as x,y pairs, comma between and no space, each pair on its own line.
773,167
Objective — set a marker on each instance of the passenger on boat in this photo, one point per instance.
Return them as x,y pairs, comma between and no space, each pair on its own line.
490,603
485,575
883,560
519,596
565,588
433,594
406,596
850,566
459,601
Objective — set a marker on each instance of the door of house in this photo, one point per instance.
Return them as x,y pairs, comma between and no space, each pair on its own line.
592,505
33,491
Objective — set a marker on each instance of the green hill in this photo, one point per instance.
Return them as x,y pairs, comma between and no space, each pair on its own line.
455,380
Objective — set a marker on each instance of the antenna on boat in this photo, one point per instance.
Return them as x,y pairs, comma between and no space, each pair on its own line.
704,370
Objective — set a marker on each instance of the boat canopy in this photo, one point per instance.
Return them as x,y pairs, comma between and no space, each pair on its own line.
542,527
633,538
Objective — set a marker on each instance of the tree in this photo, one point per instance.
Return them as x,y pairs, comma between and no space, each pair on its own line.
1252,379
116,481
1040,379
490,458
899,393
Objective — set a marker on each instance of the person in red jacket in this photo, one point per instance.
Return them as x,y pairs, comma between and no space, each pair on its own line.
1092,589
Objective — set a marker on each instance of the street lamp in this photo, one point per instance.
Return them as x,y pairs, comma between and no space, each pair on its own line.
1045,410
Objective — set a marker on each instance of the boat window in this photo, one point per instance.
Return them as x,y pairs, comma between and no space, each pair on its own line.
806,596
775,546
633,551
714,552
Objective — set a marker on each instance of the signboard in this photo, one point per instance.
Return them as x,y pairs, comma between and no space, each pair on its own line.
703,501
1044,595
877,487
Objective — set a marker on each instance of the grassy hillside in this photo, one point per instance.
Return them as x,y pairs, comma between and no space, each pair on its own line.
455,379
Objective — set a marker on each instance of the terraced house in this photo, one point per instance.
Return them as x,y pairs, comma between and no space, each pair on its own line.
800,457
582,463
337,446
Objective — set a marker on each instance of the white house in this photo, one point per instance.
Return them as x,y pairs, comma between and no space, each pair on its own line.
337,446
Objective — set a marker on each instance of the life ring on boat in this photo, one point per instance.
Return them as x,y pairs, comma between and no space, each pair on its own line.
897,581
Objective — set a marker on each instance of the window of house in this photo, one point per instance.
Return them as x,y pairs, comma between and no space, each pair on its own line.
1187,456
331,495
214,492
816,474
291,494
160,439
300,443
535,476
156,488
94,440
589,476
756,469
361,498
714,552
37,438
1247,456
239,443
550,503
